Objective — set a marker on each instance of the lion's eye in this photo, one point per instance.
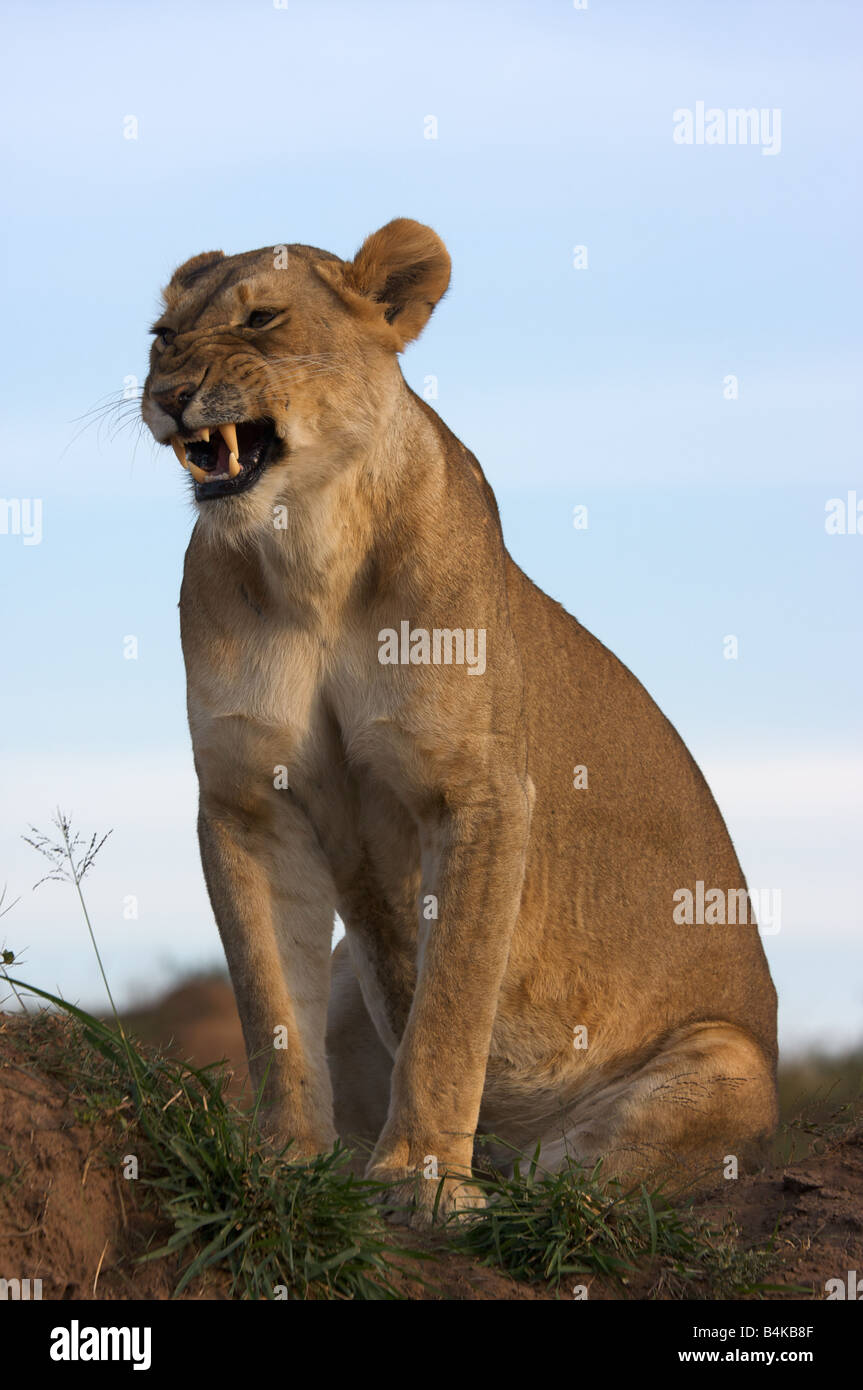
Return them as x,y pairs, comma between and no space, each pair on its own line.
164,337
258,317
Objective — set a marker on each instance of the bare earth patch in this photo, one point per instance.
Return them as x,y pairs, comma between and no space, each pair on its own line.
69,1218
66,1215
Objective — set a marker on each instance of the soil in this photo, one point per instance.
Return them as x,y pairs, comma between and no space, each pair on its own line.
68,1218
64,1215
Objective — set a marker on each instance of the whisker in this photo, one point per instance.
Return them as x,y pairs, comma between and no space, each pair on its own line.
303,357
102,405
296,374
117,407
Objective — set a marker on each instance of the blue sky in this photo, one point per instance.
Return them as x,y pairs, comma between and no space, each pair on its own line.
601,386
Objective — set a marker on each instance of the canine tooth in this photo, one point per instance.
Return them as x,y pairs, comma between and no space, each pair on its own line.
180,451
229,434
198,473
234,466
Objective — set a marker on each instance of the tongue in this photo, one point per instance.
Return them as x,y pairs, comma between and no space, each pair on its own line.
218,461
222,455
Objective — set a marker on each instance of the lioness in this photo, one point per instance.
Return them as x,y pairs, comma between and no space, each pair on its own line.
386,715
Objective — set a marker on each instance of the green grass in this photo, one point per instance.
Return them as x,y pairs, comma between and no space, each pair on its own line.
308,1229
276,1227
311,1229
541,1226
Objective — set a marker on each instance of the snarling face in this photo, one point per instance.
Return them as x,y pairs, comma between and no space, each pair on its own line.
272,368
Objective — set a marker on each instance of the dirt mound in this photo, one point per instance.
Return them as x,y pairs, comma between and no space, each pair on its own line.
65,1217
69,1218
812,1211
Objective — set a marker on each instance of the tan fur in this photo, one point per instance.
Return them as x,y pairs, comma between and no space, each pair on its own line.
555,904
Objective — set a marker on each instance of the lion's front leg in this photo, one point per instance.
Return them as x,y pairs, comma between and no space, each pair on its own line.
272,896
474,859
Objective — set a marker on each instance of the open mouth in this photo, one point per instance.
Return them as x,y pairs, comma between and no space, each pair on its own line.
227,459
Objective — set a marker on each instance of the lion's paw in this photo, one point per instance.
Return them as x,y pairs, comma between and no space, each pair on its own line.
412,1199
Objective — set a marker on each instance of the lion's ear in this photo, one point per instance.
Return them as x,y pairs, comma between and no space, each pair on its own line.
403,269
186,274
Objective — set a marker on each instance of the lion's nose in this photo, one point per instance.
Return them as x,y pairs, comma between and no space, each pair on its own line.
174,399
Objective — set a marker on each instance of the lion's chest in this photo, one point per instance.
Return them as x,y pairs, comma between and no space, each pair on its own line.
264,695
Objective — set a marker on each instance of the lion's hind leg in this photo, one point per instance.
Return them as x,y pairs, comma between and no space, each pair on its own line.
360,1066
706,1095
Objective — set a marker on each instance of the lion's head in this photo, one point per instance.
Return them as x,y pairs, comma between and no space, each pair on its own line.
281,363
